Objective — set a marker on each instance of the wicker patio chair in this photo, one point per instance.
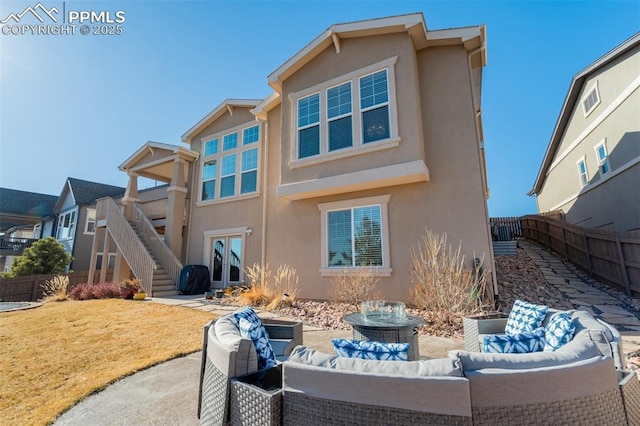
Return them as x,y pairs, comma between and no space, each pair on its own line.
222,362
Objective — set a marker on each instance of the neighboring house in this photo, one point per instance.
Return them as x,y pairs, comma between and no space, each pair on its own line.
19,208
591,169
372,134
24,218
76,219
14,241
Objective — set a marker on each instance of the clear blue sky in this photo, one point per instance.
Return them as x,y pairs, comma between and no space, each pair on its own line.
79,105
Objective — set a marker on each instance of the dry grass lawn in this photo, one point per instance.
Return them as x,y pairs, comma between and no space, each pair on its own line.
53,356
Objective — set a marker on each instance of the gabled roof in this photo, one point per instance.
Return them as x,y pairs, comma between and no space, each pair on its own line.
15,204
226,106
413,24
261,110
85,192
570,101
162,168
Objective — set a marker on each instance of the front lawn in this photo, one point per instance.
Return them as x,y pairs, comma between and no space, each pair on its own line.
53,356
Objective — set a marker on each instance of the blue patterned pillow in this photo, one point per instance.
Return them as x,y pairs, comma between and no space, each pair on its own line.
521,343
525,316
251,328
368,349
559,331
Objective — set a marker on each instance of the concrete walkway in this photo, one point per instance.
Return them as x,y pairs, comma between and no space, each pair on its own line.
167,394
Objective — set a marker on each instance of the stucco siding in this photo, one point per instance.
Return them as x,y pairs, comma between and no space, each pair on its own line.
613,205
455,196
153,156
605,201
356,54
224,214
452,202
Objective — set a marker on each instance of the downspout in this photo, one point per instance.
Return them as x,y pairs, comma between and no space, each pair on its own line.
191,206
263,258
477,117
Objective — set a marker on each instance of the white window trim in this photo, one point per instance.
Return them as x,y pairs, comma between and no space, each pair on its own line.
602,143
358,146
72,228
586,171
242,231
86,222
37,230
383,201
593,88
238,169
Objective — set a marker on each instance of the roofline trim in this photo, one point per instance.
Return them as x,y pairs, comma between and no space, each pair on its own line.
226,106
567,107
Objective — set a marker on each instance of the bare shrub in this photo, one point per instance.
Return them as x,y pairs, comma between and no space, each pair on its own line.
355,285
441,283
56,289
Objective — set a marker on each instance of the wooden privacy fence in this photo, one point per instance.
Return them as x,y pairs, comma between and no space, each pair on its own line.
505,228
612,258
29,288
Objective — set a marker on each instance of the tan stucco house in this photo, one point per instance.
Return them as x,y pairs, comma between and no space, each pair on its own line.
591,169
372,134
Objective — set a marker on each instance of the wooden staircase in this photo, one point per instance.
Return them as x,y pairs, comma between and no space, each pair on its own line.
162,283
149,258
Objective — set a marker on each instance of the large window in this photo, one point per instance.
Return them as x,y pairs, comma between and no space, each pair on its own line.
355,234
66,225
341,116
355,237
225,155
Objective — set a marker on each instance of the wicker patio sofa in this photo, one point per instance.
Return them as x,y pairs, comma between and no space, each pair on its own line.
227,355
588,329
320,389
579,386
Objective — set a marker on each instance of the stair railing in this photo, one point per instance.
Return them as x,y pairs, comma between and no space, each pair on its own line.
132,249
165,257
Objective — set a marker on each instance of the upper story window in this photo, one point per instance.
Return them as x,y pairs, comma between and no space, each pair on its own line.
603,158
309,126
339,120
374,104
230,163
341,116
90,225
66,225
582,172
590,101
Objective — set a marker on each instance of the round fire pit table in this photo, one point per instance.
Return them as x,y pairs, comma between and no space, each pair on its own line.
387,329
